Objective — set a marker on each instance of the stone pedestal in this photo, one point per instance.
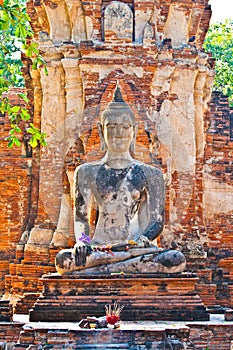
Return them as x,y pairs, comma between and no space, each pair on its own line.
129,336
145,297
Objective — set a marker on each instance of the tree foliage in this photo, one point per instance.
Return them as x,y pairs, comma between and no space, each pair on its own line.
219,41
15,31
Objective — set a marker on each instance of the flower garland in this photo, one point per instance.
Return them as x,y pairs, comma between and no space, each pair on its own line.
109,248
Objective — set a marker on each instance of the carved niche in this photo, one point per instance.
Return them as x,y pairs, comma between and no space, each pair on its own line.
117,21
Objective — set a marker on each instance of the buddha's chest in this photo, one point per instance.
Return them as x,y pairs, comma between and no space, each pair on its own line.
120,186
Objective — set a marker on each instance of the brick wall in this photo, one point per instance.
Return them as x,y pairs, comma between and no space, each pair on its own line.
195,336
219,225
15,194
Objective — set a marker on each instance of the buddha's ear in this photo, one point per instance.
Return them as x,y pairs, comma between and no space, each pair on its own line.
103,145
132,145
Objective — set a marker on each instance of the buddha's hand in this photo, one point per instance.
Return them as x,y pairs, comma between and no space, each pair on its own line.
144,242
81,252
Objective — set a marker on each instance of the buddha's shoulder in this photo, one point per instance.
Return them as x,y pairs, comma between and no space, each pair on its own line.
88,168
149,169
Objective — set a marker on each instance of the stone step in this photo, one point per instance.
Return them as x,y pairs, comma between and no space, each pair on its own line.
132,337
66,298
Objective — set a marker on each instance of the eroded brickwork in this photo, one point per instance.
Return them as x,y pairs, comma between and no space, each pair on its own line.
218,194
19,206
15,179
189,336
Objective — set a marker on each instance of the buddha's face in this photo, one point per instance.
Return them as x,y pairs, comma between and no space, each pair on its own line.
118,132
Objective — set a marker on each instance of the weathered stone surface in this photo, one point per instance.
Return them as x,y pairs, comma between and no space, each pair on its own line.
82,21
72,298
118,18
125,338
147,335
128,198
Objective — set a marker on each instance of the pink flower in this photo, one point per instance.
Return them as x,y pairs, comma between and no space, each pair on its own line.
85,238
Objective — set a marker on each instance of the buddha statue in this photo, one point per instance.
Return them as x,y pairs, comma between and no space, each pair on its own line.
119,207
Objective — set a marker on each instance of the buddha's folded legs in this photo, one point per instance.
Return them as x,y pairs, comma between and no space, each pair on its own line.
144,260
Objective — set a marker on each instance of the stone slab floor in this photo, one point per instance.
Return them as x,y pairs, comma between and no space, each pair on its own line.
215,334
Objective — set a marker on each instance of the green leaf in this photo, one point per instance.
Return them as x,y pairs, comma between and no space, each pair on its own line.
15,109
17,142
43,143
24,97
24,114
4,19
2,107
30,131
33,142
13,140
10,143
31,49
8,109
34,65
17,129
20,31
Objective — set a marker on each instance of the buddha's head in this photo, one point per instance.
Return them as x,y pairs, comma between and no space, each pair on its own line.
118,125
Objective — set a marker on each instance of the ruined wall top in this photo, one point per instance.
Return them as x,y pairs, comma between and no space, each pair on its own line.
182,22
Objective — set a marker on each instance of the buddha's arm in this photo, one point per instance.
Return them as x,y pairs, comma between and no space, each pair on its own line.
155,203
83,195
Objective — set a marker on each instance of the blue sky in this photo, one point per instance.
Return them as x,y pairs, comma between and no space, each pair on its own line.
221,9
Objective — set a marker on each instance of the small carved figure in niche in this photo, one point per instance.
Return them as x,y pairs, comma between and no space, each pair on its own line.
118,20
127,197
